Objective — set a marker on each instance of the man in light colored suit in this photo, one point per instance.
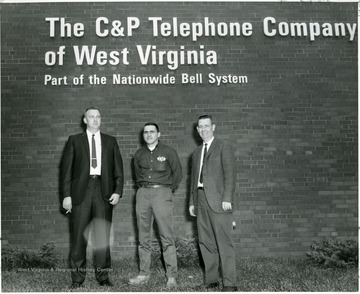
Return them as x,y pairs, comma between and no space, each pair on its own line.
92,184
211,200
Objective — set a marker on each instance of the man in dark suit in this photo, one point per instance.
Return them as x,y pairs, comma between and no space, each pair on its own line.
92,183
211,200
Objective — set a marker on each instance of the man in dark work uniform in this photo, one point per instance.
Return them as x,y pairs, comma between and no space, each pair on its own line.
158,173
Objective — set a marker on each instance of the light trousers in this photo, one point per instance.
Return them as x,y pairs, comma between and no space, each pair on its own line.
156,203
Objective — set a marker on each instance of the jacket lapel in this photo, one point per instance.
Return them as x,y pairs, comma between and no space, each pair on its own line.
86,144
198,157
211,149
103,145
103,151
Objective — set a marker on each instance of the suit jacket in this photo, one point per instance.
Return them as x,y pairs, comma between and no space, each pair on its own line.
218,175
75,168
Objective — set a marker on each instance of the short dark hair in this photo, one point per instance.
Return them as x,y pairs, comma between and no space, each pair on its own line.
152,124
205,116
90,108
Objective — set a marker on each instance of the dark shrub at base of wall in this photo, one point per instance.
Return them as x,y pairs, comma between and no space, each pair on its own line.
19,258
334,253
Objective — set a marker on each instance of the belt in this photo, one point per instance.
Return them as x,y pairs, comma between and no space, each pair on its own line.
150,185
95,177
200,188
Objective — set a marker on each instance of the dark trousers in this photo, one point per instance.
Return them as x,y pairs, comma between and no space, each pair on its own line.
95,212
215,243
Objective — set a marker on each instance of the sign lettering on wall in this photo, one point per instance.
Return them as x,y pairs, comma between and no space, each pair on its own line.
174,58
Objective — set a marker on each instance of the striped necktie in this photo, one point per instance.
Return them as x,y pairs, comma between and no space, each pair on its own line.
93,152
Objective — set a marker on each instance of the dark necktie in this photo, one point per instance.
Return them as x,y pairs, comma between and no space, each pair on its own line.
202,167
93,152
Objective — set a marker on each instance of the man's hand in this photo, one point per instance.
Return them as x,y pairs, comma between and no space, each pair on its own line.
114,199
67,204
192,210
227,206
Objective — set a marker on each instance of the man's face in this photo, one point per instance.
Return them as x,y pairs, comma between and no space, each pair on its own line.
92,120
205,129
151,135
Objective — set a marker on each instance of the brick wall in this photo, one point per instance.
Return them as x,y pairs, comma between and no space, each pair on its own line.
293,125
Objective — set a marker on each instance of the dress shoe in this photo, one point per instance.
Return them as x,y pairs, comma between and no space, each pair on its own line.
106,283
139,280
212,285
171,283
75,285
229,289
